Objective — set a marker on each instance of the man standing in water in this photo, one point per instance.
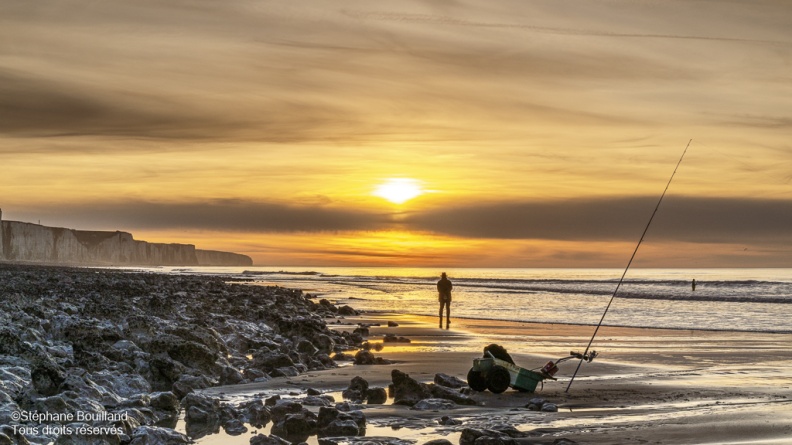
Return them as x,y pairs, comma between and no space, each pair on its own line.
444,287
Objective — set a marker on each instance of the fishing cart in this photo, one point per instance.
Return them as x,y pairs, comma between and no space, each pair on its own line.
497,374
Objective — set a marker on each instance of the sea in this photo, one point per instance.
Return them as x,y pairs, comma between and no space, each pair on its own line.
756,300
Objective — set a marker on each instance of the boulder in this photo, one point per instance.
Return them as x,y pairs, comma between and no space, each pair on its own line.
234,427
356,390
296,427
255,413
376,396
341,428
406,390
202,415
166,401
364,357
346,310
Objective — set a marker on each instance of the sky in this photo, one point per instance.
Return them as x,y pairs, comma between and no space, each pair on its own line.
531,133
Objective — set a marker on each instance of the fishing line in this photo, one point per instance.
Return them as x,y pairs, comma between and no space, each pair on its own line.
621,280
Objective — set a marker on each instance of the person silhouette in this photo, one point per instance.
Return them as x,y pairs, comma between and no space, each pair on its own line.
444,287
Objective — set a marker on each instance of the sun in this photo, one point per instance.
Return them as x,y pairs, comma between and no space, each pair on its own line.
399,190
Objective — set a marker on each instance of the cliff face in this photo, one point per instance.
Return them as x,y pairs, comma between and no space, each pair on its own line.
21,241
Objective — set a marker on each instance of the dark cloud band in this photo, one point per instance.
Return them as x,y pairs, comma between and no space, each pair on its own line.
689,219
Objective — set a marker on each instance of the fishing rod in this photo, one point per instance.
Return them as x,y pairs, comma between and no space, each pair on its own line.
621,280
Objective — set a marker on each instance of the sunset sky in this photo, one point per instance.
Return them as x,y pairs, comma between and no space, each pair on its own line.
517,133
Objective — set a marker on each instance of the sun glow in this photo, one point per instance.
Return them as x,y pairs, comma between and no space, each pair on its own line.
399,190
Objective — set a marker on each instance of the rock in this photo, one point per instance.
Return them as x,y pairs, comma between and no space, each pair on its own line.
393,338
564,441
348,407
287,371
313,392
255,413
356,390
316,401
346,311
538,401
152,435
202,415
406,390
165,401
434,404
341,428
46,375
449,381
438,442
263,439
306,347
230,376
341,356
508,430
283,408
472,436
234,427
123,384
332,422
392,324
186,384
271,360
448,421
549,408
376,396
296,427
364,357
441,392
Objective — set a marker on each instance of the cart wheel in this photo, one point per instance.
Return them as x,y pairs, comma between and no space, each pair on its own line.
476,381
498,379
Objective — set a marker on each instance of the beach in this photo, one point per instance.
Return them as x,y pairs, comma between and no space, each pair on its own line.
654,386
91,356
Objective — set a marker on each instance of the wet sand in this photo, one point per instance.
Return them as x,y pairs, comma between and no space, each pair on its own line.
651,386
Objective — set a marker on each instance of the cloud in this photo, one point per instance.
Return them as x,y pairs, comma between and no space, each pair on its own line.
689,219
679,219
431,19
215,215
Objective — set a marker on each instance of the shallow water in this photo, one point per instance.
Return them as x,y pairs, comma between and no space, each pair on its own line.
724,299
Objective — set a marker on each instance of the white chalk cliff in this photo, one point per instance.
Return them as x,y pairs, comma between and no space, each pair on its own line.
26,242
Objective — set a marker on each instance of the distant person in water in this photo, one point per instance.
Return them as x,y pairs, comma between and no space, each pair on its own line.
694,284
444,287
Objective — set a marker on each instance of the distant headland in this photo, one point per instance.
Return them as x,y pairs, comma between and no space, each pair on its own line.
28,242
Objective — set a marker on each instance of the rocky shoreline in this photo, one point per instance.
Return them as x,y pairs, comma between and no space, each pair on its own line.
125,349
96,356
